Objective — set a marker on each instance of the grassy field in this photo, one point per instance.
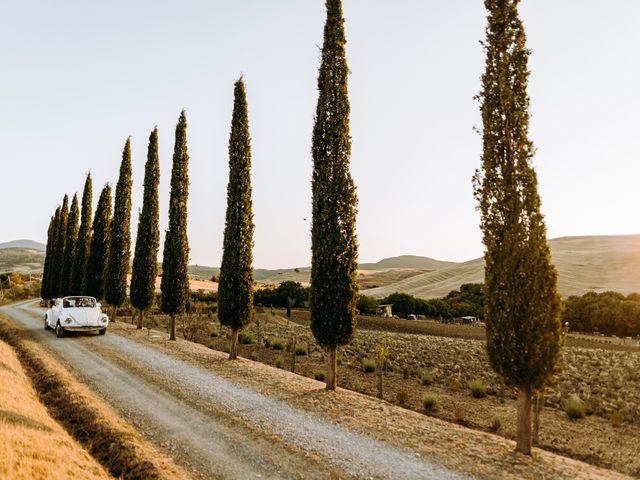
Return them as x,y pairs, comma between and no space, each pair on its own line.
606,376
590,263
21,260
32,444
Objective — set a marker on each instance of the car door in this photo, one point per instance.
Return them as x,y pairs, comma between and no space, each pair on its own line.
55,312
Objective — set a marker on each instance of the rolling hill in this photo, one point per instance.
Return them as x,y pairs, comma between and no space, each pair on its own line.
23,260
588,263
24,243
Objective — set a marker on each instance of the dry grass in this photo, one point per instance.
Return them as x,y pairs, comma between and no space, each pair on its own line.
109,439
32,444
590,263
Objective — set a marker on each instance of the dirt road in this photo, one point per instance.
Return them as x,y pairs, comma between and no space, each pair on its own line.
214,426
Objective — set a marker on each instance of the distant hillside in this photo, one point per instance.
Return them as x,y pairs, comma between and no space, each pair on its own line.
407,261
589,263
22,260
30,244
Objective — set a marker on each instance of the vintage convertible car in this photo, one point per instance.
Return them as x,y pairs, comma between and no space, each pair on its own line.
76,314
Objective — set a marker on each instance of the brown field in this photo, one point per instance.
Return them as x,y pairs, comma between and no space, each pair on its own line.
605,375
27,433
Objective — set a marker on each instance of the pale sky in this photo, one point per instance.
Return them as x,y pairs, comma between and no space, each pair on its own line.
79,77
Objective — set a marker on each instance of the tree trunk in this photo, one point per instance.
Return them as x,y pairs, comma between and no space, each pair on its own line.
536,417
172,326
380,374
332,367
114,313
140,317
523,436
233,351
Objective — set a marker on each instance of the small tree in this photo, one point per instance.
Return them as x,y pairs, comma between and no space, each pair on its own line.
115,282
99,247
46,271
334,247
79,274
522,305
70,248
145,260
175,277
58,260
235,290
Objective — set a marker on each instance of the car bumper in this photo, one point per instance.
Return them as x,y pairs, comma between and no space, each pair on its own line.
83,328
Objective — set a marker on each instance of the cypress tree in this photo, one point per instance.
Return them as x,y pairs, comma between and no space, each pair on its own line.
235,289
522,306
58,260
175,278
99,247
78,276
44,292
115,282
145,260
334,247
70,248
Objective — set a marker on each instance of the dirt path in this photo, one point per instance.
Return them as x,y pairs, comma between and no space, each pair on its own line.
215,426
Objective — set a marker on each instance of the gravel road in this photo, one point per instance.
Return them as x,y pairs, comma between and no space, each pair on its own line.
218,428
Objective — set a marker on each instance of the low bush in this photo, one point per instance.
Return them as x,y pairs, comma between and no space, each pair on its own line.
429,402
616,419
478,389
214,332
245,338
574,408
301,350
402,396
280,362
320,376
496,423
426,378
253,356
368,365
277,344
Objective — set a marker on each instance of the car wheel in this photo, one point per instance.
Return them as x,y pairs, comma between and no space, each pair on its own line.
102,331
60,332
46,324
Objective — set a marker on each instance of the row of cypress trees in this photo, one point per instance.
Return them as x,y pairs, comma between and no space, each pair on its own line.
522,306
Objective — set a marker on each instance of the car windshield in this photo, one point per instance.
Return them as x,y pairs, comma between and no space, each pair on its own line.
79,302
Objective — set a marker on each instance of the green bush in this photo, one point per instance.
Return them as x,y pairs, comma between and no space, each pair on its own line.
616,419
368,365
429,402
277,344
245,338
478,389
280,362
574,408
253,356
320,376
495,424
214,332
301,350
426,378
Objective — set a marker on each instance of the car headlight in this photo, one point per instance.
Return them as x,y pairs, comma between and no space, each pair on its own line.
68,320
103,319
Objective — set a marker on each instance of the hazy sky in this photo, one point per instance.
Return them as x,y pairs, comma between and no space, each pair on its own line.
79,77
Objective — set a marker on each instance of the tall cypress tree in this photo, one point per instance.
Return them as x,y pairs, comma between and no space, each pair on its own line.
115,282
70,248
145,260
99,247
44,292
51,276
57,284
522,306
334,247
235,290
78,276
175,278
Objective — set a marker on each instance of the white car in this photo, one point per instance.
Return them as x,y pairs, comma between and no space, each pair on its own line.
76,314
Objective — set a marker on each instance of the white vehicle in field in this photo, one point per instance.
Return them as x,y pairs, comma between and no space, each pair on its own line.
76,314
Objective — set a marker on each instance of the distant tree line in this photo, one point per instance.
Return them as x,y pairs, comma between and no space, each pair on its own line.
610,313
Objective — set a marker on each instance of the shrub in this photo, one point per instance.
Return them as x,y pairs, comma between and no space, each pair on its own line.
616,419
320,376
277,344
429,402
253,356
267,342
214,332
368,365
495,424
574,408
280,362
426,378
478,389
245,338
402,396
301,350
